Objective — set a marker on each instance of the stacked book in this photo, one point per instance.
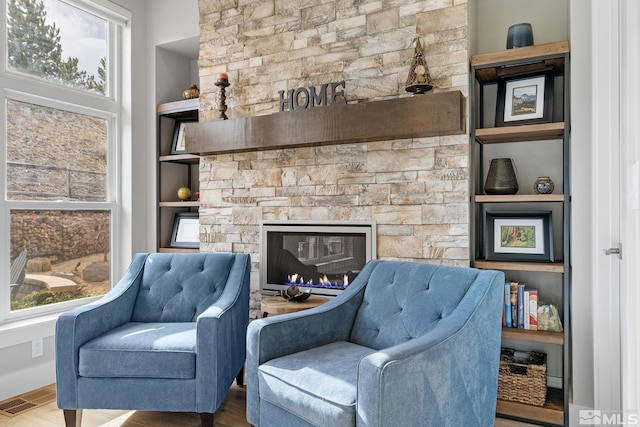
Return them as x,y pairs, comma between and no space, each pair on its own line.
520,306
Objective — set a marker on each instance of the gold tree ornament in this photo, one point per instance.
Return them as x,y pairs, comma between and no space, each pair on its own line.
419,78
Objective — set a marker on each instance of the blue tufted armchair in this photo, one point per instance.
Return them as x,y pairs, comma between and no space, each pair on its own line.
170,336
406,344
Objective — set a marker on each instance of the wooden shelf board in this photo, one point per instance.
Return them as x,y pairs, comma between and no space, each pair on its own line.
178,106
185,204
535,132
545,267
552,412
521,54
432,114
518,198
180,158
546,337
171,250
493,74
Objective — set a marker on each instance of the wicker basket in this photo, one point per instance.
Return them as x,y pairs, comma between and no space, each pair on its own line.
522,377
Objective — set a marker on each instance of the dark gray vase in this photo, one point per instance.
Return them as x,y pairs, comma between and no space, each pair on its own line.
519,35
501,178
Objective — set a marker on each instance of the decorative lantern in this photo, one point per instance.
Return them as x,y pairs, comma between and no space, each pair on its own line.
419,79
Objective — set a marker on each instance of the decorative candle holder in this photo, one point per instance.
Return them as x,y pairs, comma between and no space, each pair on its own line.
419,78
222,83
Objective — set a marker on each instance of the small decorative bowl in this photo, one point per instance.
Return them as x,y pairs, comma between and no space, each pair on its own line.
293,293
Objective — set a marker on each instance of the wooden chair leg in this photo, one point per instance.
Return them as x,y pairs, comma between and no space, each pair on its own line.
240,377
72,417
206,419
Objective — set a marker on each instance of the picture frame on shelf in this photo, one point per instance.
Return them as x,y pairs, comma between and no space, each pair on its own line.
178,141
186,230
519,236
525,99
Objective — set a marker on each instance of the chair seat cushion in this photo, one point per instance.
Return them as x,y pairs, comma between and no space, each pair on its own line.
318,385
142,350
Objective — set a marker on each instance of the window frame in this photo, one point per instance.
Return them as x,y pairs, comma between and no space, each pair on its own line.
31,89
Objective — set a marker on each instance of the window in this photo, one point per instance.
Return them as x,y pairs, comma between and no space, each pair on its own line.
60,112
58,42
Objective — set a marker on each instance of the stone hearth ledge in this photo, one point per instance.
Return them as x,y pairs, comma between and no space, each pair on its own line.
418,116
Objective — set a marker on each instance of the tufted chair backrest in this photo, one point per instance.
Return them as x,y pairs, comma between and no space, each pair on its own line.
405,300
178,287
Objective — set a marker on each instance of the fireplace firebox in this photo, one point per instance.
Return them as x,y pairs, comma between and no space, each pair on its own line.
323,257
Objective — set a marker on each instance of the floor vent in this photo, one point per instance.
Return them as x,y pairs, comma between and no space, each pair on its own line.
18,405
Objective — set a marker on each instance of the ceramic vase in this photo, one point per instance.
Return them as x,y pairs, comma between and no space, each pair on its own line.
543,185
501,178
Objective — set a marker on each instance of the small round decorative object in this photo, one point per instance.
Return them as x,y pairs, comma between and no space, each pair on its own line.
192,92
543,185
184,193
293,293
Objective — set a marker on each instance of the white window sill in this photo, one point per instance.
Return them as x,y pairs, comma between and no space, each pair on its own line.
21,331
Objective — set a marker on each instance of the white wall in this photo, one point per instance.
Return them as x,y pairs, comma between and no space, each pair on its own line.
630,194
582,217
548,19
172,44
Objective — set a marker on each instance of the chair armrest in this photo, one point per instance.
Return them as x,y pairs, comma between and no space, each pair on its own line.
447,377
76,327
221,336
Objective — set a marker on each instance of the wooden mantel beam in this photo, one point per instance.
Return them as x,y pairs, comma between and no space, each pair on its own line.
416,116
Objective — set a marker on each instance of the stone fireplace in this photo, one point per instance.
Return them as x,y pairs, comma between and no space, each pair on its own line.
320,257
414,189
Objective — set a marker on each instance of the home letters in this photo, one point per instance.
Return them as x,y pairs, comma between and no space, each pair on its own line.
303,98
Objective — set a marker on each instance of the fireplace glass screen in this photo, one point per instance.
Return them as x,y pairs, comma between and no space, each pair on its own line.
325,258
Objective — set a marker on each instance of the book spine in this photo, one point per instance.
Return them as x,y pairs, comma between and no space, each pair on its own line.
513,286
533,310
507,305
520,296
526,309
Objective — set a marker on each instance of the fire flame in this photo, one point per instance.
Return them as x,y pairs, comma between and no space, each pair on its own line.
296,279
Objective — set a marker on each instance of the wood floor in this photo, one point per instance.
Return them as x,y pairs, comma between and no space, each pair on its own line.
230,414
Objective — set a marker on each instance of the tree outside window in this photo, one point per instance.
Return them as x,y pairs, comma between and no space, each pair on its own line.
39,45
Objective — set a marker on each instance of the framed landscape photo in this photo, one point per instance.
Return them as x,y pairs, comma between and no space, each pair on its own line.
186,230
519,236
525,99
177,143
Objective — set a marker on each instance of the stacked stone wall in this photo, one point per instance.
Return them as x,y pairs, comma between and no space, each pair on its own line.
416,190
59,235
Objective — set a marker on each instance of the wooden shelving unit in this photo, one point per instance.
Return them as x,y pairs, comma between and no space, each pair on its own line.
173,171
551,413
545,267
519,198
487,70
535,132
535,336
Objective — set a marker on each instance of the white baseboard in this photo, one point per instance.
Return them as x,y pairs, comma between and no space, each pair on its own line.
22,381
